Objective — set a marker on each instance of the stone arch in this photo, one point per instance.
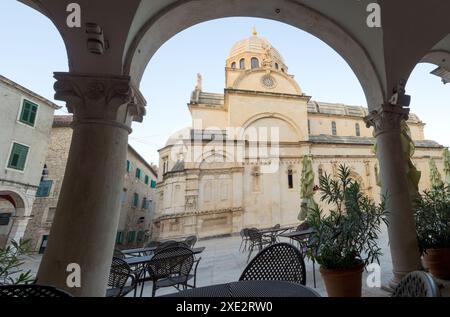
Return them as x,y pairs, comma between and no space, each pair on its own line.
167,22
264,115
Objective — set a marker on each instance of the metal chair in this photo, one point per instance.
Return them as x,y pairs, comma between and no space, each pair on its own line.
191,241
152,244
256,239
119,254
32,290
278,262
417,284
119,276
244,239
170,267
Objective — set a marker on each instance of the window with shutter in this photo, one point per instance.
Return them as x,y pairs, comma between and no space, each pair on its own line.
138,173
29,112
44,188
131,236
18,156
135,200
153,184
147,179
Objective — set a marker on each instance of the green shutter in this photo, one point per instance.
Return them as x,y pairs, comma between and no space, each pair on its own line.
128,166
131,236
44,188
153,184
146,179
140,236
138,173
119,237
18,156
29,112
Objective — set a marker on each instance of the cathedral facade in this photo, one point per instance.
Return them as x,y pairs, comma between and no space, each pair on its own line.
239,164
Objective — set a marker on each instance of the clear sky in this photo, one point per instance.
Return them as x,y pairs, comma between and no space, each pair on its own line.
31,49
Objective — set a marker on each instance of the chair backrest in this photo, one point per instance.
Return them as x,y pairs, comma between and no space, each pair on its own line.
277,226
245,232
119,274
254,235
190,241
152,244
417,284
118,254
173,260
278,262
31,290
303,226
166,244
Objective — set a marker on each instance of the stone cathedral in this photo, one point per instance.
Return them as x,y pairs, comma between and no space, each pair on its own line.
239,164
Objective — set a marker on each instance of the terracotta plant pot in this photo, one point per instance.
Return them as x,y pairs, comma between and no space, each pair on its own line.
438,262
343,282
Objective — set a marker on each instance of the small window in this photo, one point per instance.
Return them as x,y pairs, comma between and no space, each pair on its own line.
333,128
4,218
144,203
29,112
358,129
233,65
138,173
51,214
309,127
290,180
18,156
128,166
242,64
254,62
131,236
276,66
135,199
153,184
119,237
146,179
282,69
44,188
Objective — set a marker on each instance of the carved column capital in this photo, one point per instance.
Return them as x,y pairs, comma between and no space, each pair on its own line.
387,118
112,100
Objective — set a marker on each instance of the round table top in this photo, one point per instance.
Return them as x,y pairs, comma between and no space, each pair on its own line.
250,289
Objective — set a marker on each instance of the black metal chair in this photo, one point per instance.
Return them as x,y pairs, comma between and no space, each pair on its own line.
122,279
256,240
417,284
32,290
191,241
304,244
152,244
244,239
119,254
170,267
278,262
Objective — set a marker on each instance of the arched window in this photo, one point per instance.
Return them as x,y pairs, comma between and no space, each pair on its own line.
290,179
242,64
358,129
333,128
282,69
276,66
254,62
233,65
309,127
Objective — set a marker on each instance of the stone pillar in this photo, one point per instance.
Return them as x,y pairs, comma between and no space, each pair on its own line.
87,215
401,228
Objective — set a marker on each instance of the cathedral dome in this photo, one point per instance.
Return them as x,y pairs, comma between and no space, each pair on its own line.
258,47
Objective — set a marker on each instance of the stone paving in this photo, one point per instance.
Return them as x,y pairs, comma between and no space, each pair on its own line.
223,262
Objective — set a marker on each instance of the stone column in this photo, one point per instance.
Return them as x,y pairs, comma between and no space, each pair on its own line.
87,215
401,228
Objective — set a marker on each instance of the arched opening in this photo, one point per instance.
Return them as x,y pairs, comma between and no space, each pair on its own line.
242,63
254,63
12,206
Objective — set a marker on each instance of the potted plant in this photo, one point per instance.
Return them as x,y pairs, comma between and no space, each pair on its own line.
11,262
345,238
432,215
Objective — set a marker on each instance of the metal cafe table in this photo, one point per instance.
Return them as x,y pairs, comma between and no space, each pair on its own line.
250,289
137,260
273,233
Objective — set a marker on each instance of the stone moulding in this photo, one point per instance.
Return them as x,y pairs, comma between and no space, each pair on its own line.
199,213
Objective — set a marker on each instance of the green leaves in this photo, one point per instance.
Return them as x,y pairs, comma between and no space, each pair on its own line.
432,216
346,235
11,262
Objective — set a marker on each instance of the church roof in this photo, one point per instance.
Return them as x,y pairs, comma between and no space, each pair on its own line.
211,98
346,110
178,167
255,44
332,139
